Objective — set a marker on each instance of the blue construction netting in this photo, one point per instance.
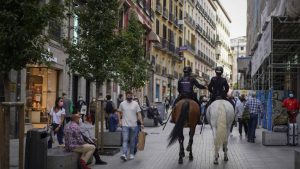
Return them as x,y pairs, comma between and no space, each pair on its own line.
261,95
270,109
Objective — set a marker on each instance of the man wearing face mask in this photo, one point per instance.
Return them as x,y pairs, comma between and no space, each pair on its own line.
292,106
130,112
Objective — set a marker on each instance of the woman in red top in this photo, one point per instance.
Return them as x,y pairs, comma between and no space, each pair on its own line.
292,106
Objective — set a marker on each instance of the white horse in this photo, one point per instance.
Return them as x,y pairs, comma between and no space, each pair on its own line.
220,115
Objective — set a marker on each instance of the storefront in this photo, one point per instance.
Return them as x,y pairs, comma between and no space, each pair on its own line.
41,92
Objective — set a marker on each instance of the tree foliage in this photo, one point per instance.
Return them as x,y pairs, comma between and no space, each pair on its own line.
101,52
22,32
132,65
92,56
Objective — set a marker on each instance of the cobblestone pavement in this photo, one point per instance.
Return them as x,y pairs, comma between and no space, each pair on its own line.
242,155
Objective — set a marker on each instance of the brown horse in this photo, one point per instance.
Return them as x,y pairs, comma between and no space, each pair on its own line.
186,111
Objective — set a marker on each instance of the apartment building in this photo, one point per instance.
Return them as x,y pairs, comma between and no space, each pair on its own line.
165,55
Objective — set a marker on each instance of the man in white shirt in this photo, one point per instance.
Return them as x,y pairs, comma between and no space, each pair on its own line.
239,109
131,113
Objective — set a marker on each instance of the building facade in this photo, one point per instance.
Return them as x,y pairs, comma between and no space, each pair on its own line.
238,50
223,53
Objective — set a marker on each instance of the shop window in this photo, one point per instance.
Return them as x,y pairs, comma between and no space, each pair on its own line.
41,93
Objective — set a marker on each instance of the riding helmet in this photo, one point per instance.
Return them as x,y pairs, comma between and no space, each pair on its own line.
219,70
187,70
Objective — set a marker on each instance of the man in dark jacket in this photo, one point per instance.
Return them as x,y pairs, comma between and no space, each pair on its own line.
218,87
185,87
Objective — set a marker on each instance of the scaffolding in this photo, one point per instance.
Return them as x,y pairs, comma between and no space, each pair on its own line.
280,68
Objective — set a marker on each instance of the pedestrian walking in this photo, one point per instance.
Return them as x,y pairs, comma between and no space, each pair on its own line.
255,109
56,120
109,107
93,107
167,104
130,112
75,142
81,107
119,100
239,109
68,106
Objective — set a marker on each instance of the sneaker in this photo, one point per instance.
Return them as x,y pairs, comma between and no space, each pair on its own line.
131,157
82,164
123,157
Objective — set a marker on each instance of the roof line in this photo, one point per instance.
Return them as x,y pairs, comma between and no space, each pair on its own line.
221,6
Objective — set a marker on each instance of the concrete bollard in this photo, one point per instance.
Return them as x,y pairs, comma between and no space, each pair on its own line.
58,158
297,159
112,138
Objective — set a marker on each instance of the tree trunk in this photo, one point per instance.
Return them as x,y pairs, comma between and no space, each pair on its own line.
4,87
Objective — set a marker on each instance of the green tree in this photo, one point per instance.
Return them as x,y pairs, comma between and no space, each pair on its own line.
132,66
92,54
22,37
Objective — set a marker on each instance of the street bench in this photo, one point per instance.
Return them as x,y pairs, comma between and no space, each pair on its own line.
59,158
274,138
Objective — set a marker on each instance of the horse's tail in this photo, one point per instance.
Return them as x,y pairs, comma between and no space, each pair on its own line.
178,128
221,133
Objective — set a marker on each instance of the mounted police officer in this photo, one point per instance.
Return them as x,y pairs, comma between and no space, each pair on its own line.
218,87
185,87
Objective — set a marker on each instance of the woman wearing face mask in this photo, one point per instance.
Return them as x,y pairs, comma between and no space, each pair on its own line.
57,116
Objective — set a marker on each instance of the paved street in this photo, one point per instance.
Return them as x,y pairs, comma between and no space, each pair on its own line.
242,155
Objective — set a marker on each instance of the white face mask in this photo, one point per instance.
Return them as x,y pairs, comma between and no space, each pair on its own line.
291,95
80,121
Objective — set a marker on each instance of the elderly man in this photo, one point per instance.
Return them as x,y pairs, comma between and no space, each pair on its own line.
239,109
255,109
74,141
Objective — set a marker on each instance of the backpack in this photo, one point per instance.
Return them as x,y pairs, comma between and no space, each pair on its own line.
109,107
113,122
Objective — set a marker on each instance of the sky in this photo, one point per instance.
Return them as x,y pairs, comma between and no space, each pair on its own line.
237,11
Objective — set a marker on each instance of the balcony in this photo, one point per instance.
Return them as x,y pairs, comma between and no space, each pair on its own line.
181,28
158,8
171,47
164,43
165,13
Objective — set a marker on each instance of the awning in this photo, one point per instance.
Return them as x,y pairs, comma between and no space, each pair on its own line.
153,37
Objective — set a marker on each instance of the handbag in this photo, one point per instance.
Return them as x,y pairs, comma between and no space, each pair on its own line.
246,115
141,140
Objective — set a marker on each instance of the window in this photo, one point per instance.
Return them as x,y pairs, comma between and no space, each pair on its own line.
157,27
242,47
180,41
232,48
180,14
164,32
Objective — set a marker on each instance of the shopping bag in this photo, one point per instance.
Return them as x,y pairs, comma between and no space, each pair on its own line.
141,140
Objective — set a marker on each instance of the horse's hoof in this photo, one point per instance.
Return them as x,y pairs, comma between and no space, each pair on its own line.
216,162
180,161
191,158
225,158
182,154
188,148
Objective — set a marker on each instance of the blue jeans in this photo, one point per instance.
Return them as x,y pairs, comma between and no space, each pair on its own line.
252,126
128,133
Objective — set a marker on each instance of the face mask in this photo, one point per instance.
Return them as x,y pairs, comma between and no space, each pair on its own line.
129,99
291,95
80,98
60,104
